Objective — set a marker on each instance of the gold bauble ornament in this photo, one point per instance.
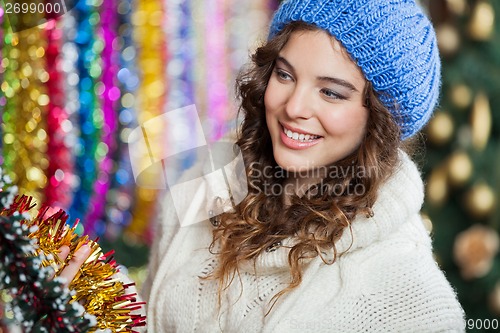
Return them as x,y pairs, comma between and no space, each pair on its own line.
482,21
427,222
437,186
440,128
480,201
448,39
458,7
475,249
480,121
461,96
459,168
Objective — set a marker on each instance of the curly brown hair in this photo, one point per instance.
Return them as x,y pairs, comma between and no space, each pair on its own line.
316,220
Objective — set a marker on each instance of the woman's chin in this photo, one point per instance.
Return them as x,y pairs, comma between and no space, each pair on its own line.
294,165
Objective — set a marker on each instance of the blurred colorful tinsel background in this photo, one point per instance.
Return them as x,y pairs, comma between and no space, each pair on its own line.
73,89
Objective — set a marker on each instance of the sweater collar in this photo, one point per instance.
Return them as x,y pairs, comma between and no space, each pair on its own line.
400,197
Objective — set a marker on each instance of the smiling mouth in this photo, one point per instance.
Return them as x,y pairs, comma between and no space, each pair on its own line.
301,137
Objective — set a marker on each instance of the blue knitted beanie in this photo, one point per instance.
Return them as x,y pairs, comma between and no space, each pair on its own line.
393,43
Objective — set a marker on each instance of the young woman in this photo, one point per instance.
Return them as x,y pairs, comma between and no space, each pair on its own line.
329,237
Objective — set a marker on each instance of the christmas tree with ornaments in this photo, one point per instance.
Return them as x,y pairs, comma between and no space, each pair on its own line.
462,156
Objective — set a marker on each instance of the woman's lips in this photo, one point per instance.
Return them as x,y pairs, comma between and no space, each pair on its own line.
298,141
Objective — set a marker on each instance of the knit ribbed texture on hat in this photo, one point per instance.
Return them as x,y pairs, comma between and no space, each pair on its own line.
392,41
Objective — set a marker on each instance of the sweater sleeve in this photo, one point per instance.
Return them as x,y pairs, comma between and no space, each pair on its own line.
163,231
169,223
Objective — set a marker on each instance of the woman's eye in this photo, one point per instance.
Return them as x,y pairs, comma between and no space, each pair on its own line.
283,75
331,94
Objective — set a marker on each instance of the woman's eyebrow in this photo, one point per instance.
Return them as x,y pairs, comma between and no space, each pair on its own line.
285,62
328,79
339,82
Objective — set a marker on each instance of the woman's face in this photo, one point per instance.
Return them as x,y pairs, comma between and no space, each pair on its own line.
314,103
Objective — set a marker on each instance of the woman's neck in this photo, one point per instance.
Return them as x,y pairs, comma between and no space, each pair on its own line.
298,184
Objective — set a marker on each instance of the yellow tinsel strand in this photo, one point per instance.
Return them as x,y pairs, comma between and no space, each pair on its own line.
25,138
147,19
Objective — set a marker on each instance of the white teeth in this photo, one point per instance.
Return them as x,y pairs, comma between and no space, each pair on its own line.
299,137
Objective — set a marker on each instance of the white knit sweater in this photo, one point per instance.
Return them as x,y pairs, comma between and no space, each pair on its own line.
388,280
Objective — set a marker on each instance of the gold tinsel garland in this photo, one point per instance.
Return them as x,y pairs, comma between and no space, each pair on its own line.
97,286
24,114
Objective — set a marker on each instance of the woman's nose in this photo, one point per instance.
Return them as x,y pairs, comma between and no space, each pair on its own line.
299,103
